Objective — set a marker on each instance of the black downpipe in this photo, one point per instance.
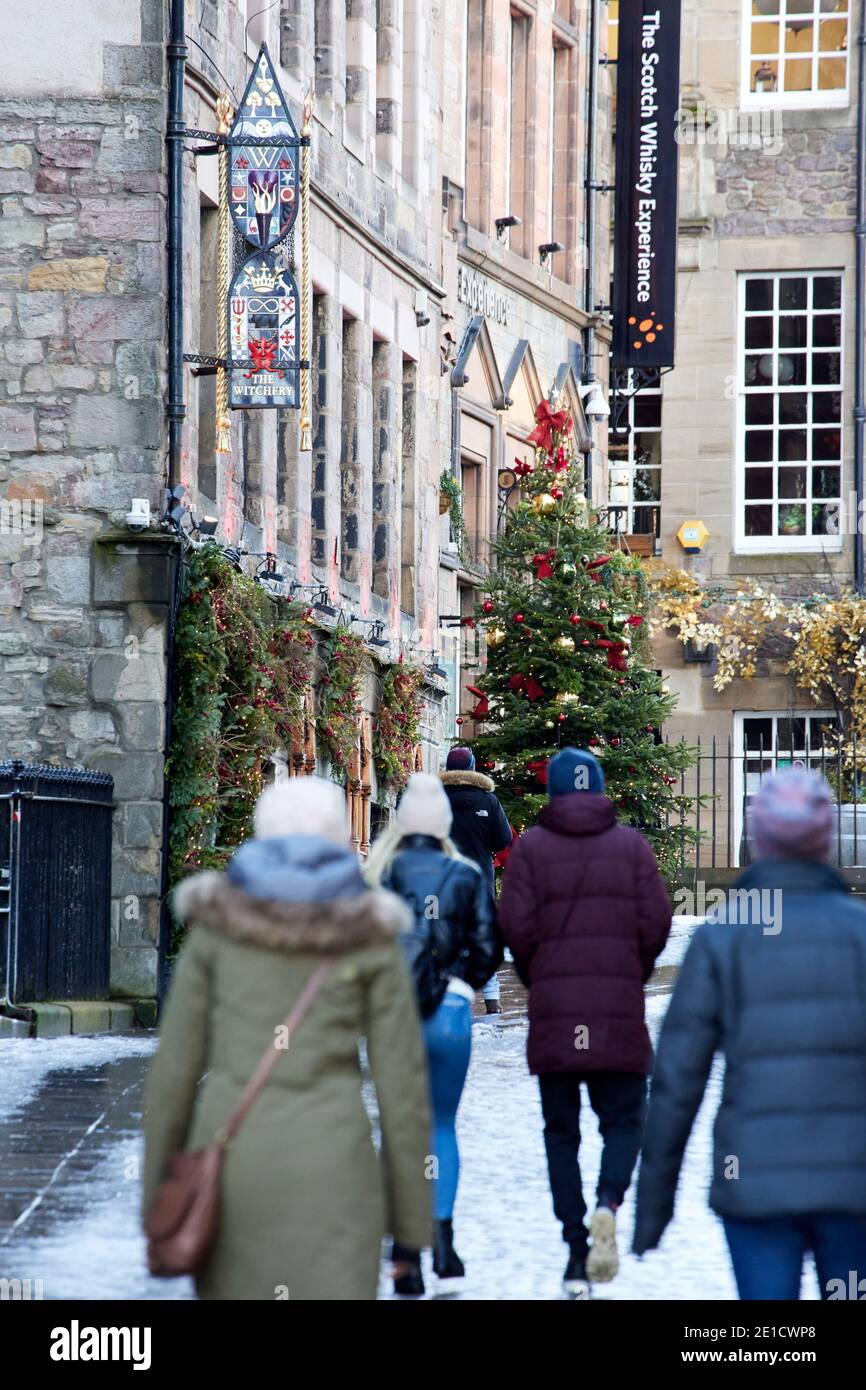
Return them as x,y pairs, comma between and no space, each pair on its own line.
860,304
175,407
589,239
175,413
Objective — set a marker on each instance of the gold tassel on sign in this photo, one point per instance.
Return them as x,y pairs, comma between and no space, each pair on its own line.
306,421
225,116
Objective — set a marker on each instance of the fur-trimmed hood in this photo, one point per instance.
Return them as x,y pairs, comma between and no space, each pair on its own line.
467,779
342,924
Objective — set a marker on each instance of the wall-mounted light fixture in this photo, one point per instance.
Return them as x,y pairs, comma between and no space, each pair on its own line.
548,249
504,223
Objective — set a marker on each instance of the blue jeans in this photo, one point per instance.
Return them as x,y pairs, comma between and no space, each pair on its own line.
768,1255
448,1036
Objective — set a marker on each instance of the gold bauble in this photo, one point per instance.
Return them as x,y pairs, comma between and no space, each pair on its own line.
543,503
567,697
564,644
495,636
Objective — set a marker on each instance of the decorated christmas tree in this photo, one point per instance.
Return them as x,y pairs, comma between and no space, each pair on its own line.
568,662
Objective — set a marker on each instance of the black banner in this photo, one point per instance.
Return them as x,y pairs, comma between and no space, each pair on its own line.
645,231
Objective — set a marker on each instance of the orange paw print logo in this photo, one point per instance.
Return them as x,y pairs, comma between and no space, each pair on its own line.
648,327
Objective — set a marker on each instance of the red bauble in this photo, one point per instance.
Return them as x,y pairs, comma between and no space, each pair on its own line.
527,632
621,681
648,728
615,742
487,606
518,617
593,741
557,493
585,642
562,719
575,619
458,720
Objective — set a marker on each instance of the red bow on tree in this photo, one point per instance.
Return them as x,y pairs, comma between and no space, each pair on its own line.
543,567
528,685
617,658
522,469
549,422
599,563
482,709
635,620
538,768
263,351
501,859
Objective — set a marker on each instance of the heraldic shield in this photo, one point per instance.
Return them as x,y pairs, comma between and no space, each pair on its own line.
263,308
263,177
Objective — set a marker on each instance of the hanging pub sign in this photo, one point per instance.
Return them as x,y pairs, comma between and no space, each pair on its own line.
263,160
645,227
264,313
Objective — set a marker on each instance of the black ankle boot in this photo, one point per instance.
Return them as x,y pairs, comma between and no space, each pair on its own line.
410,1284
446,1262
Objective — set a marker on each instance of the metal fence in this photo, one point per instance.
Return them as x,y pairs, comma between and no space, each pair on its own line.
716,833
55,882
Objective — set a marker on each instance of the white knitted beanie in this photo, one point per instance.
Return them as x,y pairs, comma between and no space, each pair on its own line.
302,806
424,808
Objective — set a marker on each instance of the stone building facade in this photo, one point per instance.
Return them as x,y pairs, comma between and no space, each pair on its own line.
516,108
752,432
434,337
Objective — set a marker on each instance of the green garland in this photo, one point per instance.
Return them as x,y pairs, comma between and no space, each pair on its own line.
343,660
397,725
243,661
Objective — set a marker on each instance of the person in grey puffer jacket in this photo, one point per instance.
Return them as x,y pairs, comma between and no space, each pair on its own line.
777,983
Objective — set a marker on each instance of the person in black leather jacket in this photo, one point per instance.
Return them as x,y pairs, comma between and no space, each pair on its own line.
452,950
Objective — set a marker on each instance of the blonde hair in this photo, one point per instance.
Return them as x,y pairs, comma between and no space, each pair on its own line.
387,846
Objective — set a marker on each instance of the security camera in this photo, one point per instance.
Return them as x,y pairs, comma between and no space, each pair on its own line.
138,519
594,403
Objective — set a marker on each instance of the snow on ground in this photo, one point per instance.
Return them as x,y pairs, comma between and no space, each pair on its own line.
25,1062
504,1224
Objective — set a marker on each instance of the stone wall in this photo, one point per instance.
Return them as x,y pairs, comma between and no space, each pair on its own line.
82,313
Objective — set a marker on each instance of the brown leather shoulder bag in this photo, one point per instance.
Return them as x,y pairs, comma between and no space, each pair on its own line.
183,1218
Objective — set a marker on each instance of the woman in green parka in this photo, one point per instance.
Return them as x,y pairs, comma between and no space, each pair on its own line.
306,1199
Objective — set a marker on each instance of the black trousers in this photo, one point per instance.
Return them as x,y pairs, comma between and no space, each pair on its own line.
619,1100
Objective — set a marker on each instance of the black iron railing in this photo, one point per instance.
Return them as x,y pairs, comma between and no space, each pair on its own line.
724,779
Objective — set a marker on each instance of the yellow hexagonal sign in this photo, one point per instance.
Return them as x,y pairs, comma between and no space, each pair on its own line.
693,536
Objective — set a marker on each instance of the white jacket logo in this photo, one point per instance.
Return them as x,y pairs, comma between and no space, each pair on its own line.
481,813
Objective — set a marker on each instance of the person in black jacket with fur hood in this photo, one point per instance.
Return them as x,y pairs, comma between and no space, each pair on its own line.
480,828
452,949
776,982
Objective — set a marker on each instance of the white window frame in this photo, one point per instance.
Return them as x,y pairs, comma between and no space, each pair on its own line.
751,545
738,770
791,101
630,466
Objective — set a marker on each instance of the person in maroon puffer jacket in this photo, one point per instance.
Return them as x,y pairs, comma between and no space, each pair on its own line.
585,913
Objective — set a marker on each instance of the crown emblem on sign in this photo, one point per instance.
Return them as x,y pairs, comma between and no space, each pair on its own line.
264,278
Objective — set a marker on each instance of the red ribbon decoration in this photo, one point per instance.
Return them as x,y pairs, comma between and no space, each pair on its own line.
550,422
599,563
543,567
528,686
635,620
617,659
538,768
482,709
501,859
